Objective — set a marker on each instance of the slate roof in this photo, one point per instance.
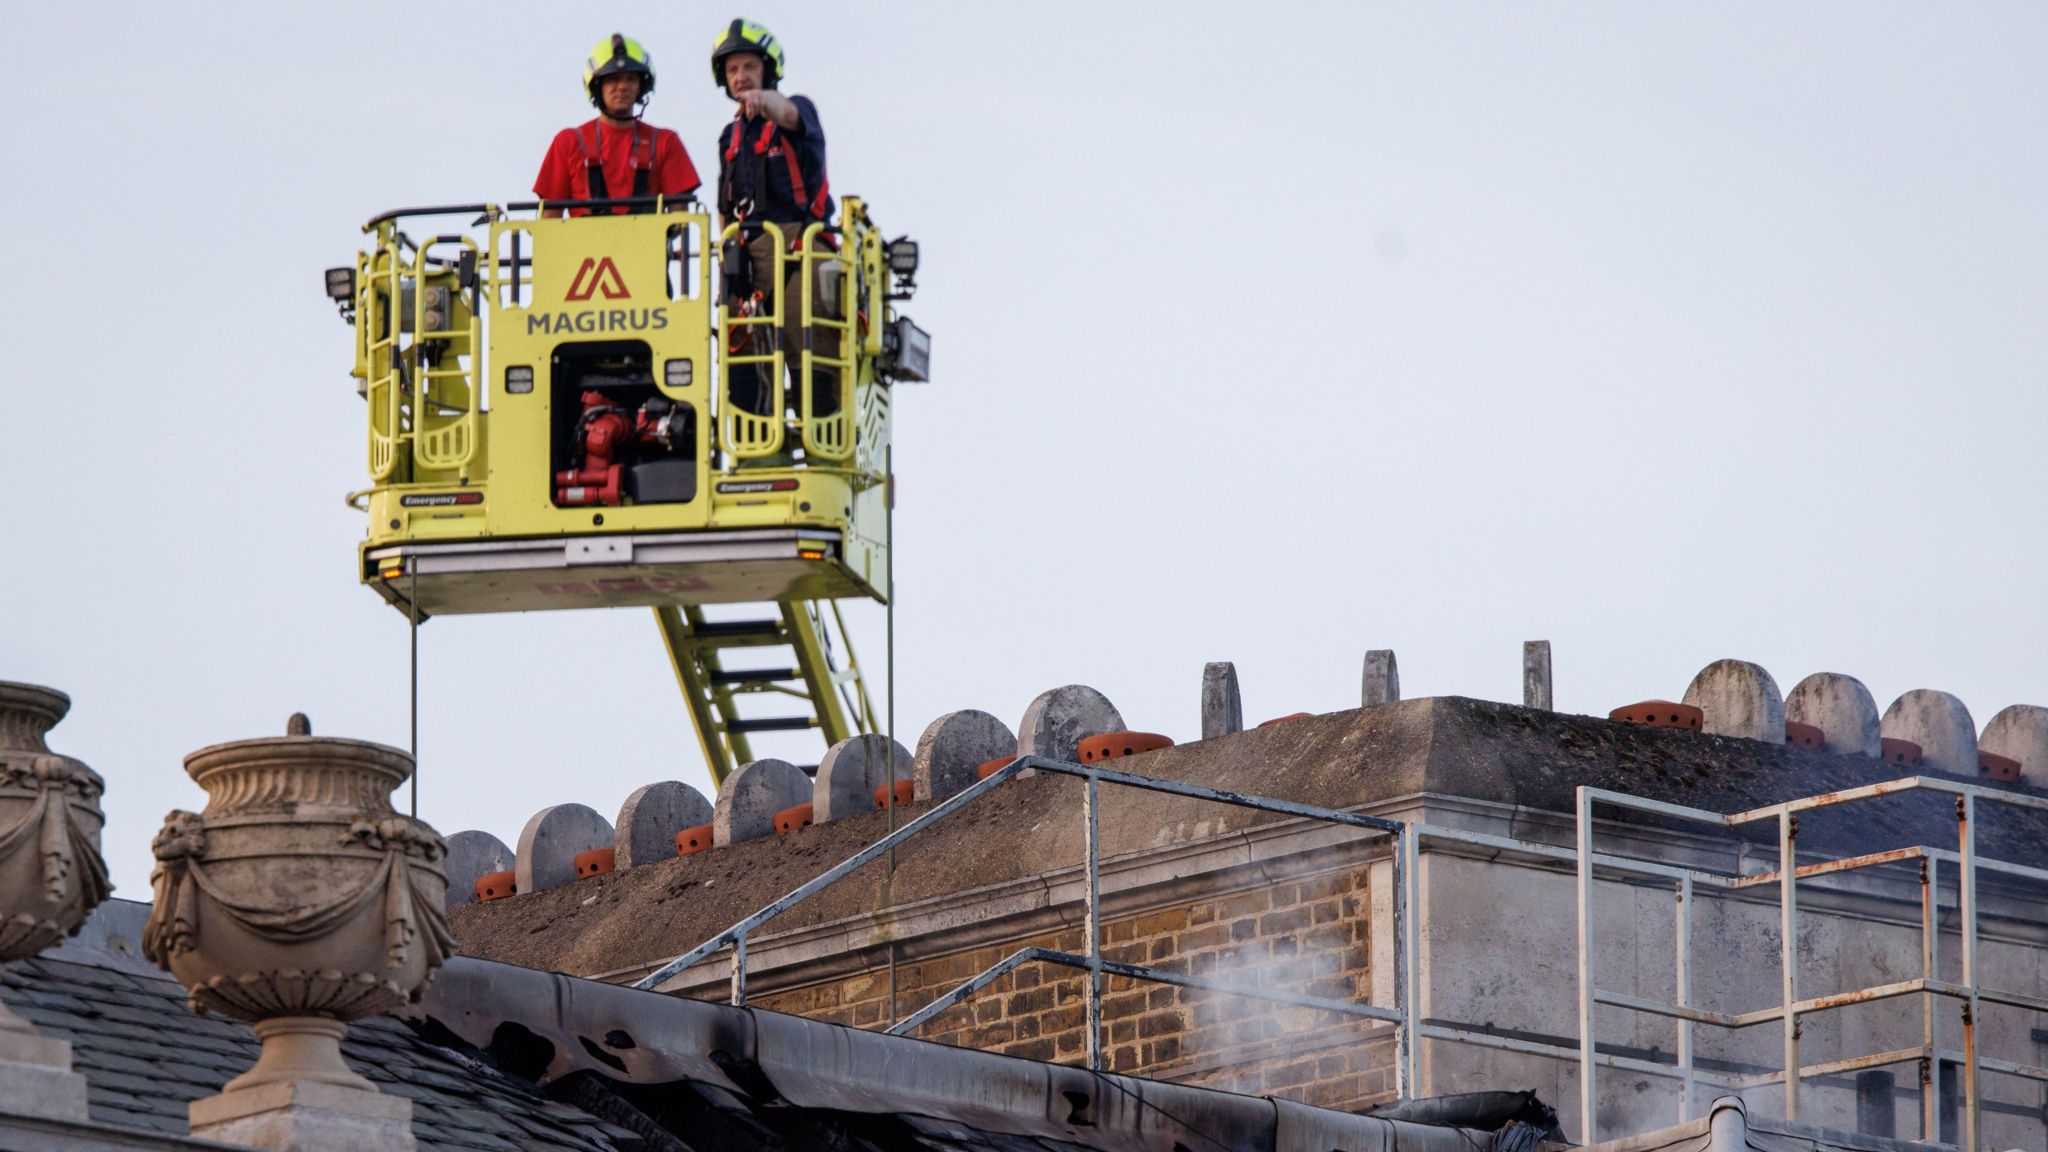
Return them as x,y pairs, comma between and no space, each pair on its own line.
509,1059
145,1056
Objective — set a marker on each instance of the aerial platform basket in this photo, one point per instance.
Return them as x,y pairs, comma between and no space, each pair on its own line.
491,357
582,411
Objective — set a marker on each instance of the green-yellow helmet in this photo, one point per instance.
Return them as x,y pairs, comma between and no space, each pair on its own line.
747,36
615,54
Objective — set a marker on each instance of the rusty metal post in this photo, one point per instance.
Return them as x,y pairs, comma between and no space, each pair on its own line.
1588,1128
1408,890
1966,883
1788,927
1397,865
1930,968
739,971
1684,995
1094,928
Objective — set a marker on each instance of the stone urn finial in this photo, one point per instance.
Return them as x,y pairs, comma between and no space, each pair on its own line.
51,877
298,900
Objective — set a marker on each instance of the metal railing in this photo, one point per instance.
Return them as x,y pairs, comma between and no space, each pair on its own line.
448,396
825,435
377,307
424,395
744,433
1585,862
1792,1006
1093,962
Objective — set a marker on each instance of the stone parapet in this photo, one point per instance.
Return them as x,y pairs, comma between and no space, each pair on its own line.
307,1116
1447,746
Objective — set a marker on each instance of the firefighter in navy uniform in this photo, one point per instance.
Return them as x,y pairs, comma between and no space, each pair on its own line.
616,155
771,169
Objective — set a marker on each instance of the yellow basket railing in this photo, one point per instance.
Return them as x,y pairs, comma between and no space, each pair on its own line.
447,397
745,434
827,434
378,274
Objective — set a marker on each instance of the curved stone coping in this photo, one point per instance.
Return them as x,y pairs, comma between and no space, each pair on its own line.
2021,732
1058,719
1940,724
953,746
851,771
1738,698
551,841
1842,708
472,855
650,818
751,797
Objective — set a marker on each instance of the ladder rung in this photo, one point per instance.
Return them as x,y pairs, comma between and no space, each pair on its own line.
727,629
754,675
772,724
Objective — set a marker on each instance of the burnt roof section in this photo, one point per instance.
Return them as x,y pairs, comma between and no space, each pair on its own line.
745,1079
1444,745
508,1059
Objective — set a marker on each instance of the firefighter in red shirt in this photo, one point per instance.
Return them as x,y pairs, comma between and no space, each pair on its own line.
616,155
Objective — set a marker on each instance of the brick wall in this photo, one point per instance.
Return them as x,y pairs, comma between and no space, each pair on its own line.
1304,934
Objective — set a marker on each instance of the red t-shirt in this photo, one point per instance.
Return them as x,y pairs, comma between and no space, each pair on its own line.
565,174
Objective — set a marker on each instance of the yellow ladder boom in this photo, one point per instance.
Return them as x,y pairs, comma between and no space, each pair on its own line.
835,699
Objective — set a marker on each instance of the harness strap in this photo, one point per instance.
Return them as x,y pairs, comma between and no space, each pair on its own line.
814,206
596,187
824,194
730,199
643,170
796,172
593,165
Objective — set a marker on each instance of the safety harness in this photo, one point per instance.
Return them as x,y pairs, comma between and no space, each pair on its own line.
639,159
756,182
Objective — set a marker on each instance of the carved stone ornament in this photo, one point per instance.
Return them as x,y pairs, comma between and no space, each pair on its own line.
51,874
298,899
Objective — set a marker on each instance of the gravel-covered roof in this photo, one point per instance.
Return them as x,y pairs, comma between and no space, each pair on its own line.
1446,746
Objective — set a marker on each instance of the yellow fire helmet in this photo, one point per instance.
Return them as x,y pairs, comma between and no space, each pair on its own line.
747,36
615,54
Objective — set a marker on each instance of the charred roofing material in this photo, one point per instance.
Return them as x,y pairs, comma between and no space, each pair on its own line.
665,1054
499,1058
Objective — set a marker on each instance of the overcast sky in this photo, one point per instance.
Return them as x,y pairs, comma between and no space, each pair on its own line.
1269,333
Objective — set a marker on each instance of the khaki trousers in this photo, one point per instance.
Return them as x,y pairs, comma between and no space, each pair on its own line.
748,383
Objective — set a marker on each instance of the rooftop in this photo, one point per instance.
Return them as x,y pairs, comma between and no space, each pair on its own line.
1366,758
500,1058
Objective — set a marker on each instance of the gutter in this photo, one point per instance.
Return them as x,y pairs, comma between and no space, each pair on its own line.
763,1058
